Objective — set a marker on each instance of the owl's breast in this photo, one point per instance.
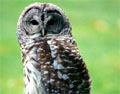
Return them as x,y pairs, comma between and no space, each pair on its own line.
61,66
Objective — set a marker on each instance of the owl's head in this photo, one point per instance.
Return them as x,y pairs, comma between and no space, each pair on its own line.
40,20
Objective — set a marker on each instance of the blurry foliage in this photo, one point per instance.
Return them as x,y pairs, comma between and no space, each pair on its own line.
96,26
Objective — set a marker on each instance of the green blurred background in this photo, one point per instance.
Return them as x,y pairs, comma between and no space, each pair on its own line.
96,26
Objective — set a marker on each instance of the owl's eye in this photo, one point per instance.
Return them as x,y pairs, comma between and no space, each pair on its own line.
34,22
51,22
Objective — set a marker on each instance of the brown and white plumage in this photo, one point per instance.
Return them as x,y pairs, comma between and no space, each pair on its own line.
52,63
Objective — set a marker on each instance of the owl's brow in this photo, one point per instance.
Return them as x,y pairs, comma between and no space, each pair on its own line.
30,9
53,11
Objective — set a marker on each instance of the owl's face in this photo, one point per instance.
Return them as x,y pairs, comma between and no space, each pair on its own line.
44,19
48,22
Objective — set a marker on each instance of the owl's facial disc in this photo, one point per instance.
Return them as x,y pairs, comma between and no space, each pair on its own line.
31,21
55,23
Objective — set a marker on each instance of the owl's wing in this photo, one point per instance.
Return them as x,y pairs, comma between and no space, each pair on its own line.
65,71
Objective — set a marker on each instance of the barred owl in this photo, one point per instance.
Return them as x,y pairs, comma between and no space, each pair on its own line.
51,60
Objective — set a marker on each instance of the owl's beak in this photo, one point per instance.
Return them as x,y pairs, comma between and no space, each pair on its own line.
42,32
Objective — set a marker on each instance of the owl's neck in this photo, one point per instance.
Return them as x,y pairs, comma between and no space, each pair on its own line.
32,75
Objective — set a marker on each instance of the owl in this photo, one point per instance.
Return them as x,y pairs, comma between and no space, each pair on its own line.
51,60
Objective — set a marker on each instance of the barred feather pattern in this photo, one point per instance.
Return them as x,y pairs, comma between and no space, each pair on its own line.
54,66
